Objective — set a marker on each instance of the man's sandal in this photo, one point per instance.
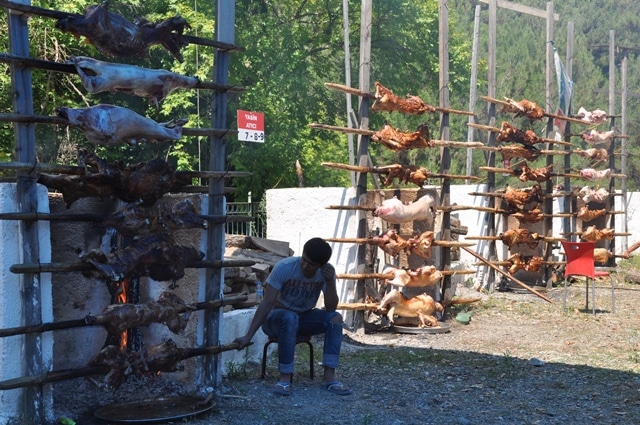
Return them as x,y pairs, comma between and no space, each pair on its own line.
337,388
282,388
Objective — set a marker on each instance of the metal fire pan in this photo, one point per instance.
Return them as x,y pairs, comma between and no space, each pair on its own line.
159,409
441,328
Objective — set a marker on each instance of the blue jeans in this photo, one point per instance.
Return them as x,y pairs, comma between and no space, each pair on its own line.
286,324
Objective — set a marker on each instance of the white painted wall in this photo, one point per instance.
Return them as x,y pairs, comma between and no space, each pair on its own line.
11,289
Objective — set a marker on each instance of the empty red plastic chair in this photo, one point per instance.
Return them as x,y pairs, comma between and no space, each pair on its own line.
580,262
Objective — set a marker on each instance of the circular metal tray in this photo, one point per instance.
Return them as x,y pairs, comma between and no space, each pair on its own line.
441,328
157,409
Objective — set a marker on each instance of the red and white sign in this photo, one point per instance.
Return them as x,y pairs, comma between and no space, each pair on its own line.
251,126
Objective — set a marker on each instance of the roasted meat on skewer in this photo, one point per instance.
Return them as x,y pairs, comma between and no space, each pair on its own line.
396,140
533,264
586,215
601,255
535,174
390,242
594,137
404,173
421,306
592,117
513,237
593,234
596,154
387,101
423,276
533,216
589,195
395,211
520,197
509,152
594,175
523,108
421,245
509,133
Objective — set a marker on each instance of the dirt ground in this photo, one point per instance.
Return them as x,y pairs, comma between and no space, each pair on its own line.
520,360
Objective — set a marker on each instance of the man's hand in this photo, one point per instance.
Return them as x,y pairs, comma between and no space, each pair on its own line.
242,341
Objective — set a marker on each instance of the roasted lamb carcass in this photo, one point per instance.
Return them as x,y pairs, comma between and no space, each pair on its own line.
152,84
145,182
593,234
134,219
395,211
586,215
112,125
421,306
521,197
396,140
390,242
589,195
535,174
532,264
421,245
596,154
513,237
170,310
594,137
423,276
602,255
113,35
386,100
156,256
509,133
593,117
532,216
595,175
509,152
404,173
523,108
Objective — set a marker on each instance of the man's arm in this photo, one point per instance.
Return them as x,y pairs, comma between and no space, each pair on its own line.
331,295
269,300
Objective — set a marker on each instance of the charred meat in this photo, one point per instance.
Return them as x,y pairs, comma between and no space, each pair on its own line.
396,140
387,101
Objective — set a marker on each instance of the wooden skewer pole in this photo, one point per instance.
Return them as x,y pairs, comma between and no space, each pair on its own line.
613,234
357,306
564,118
82,266
100,319
450,244
497,130
61,375
508,275
497,238
384,170
350,207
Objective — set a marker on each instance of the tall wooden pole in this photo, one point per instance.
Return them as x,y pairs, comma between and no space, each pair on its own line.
225,32
473,89
568,223
357,318
347,82
445,154
612,163
25,145
548,202
623,159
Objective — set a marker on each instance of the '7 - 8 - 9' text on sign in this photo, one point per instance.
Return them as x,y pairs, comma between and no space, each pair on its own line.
251,126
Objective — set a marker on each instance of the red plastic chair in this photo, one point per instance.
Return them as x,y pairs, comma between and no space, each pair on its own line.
580,262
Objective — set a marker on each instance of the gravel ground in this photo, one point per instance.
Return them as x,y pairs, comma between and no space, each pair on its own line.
520,360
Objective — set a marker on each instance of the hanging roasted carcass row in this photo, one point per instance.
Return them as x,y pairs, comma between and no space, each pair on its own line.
134,219
386,100
113,35
112,125
157,256
145,182
152,84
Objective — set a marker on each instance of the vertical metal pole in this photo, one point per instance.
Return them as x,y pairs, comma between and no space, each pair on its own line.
623,159
25,146
224,28
473,89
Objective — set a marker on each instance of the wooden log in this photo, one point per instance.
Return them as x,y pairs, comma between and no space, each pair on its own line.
61,375
508,275
77,323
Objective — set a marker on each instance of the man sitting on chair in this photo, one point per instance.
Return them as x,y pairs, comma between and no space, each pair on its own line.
289,308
